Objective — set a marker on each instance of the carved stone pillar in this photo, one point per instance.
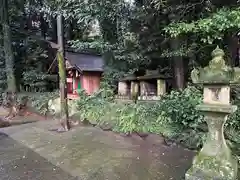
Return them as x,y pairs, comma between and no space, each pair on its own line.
215,160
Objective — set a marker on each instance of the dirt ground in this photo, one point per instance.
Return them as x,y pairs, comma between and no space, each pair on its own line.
89,153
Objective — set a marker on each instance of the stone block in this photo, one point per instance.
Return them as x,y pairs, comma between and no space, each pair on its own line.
212,168
122,88
134,88
216,94
54,106
215,160
161,87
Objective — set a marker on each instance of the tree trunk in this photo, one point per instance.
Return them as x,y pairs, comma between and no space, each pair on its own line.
69,33
63,92
43,26
109,30
54,29
9,57
9,61
232,44
178,66
62,76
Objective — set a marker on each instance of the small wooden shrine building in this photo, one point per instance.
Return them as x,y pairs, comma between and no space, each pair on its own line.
84,71
150,86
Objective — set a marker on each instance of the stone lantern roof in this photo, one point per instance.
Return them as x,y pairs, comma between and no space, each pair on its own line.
217,72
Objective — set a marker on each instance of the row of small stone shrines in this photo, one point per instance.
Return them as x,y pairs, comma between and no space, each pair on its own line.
150,86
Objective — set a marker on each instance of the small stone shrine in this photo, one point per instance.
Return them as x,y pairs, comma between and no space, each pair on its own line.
215,161
150,86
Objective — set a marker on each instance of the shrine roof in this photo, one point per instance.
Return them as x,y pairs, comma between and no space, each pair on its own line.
84,61
145,77
152,76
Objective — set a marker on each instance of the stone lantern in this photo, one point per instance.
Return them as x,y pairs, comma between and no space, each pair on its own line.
215,161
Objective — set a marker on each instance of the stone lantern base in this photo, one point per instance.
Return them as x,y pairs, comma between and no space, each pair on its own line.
212,168
214,161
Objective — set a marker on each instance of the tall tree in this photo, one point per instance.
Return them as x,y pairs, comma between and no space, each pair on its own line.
8,50
178,63
9,60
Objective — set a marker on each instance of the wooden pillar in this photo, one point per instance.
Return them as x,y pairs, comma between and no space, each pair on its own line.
73,82
62,75
161,87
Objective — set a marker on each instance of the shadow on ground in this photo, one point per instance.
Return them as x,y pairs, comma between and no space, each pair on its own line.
21,163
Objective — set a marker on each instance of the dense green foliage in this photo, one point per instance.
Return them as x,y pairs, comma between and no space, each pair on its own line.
215,27
131,36
38,102
174,116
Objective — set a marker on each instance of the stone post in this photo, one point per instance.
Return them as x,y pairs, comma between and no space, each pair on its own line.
122,88
215,161
134,88
143,88
161,87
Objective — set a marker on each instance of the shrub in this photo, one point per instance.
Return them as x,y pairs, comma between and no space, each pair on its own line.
180,107
170,116
234,120
175,116
39,101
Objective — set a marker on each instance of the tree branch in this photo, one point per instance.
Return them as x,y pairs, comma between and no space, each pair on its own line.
38,38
